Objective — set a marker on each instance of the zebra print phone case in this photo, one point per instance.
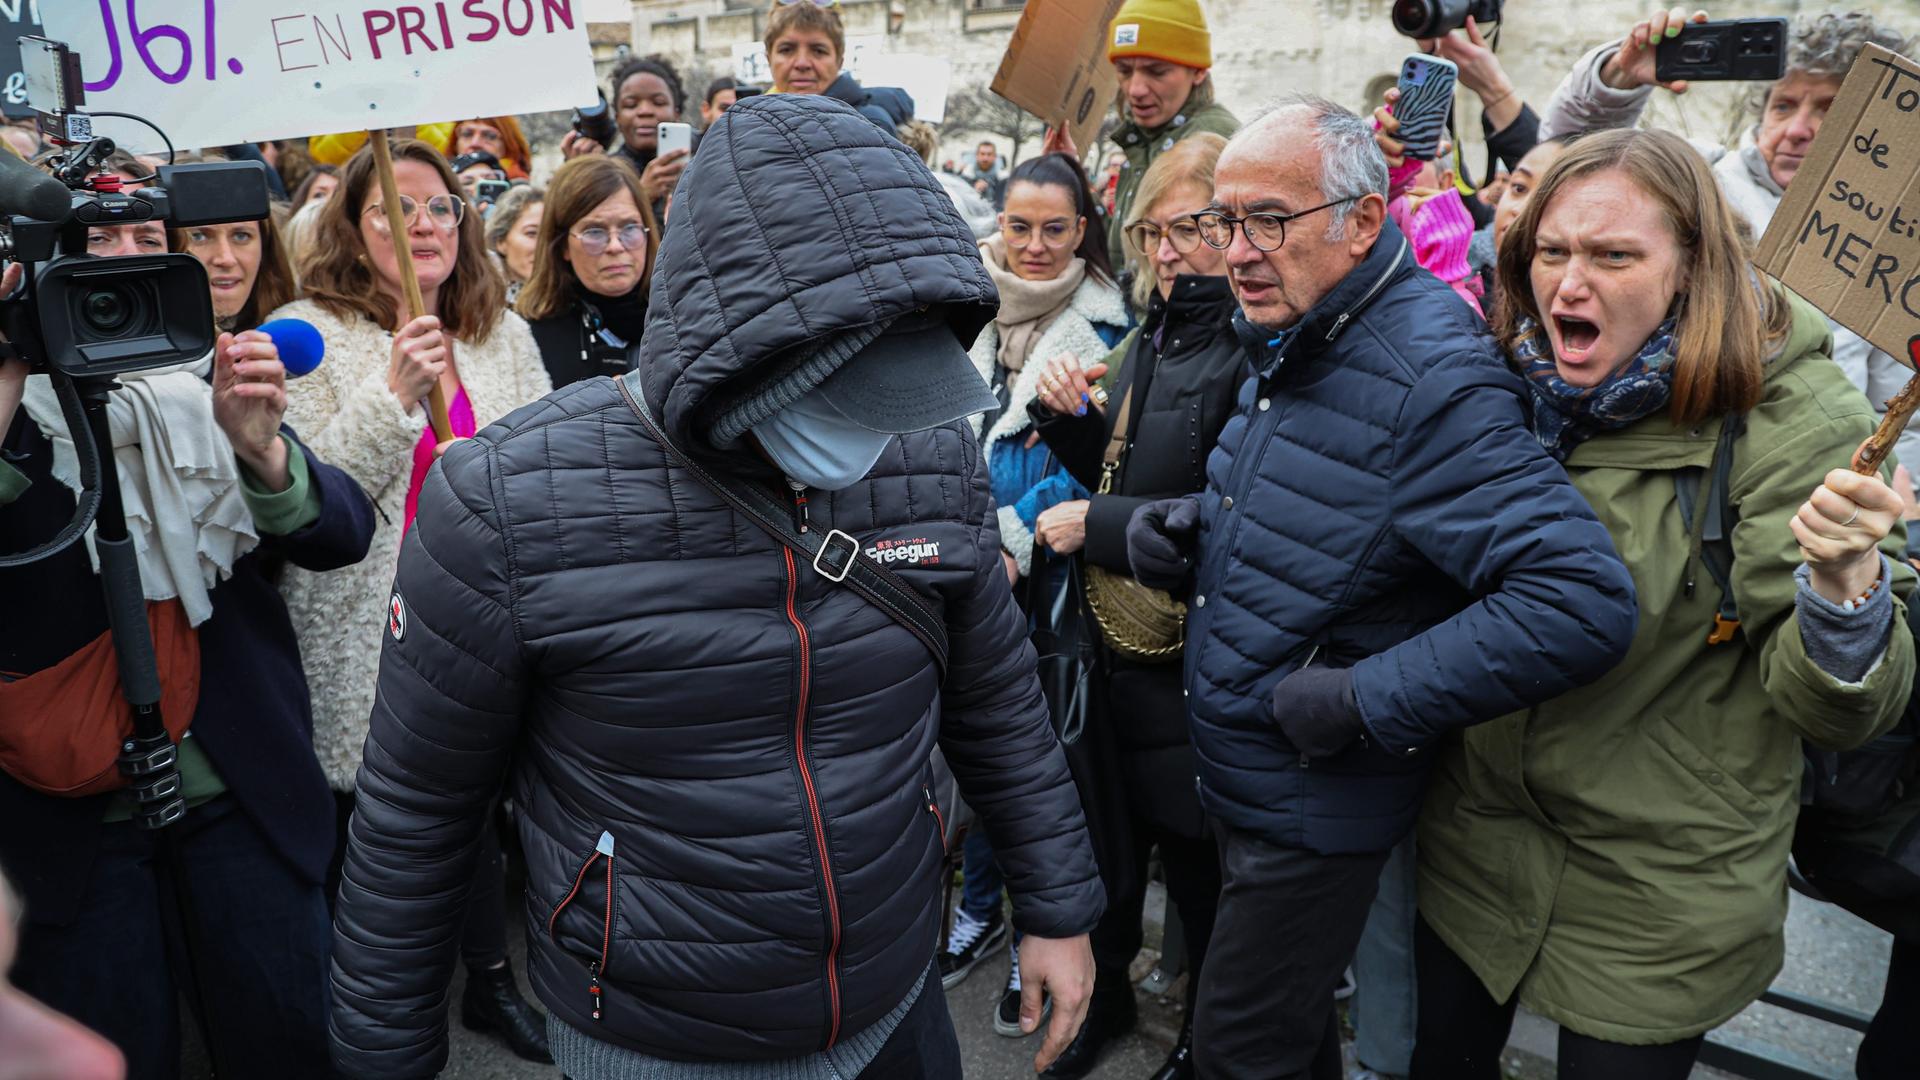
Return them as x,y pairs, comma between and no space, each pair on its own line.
1426,97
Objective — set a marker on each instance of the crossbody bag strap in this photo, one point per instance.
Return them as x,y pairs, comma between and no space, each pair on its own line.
835,555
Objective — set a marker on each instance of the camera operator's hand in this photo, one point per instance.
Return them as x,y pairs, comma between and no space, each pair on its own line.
1632,65
249,398
658,178
573,145
1481,72
419,357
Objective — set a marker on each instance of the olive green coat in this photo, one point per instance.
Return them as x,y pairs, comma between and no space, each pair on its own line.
1141,146
1618,855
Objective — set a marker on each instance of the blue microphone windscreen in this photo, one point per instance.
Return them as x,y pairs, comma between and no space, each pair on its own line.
301,347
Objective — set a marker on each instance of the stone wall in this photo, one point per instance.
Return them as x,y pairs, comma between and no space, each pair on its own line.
1343,49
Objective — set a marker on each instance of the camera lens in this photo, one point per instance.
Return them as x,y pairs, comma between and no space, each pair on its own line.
1412,17
106,311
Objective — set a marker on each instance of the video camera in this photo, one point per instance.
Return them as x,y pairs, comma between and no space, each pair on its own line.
1433,18
87,316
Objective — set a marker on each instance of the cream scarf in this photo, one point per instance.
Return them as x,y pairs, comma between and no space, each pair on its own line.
1027,308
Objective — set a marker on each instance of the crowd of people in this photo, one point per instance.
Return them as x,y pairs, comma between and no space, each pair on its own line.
1458,598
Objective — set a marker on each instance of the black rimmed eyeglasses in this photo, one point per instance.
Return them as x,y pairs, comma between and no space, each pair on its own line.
1266,232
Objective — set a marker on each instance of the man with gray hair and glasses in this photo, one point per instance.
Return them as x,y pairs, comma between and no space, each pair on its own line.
1383,555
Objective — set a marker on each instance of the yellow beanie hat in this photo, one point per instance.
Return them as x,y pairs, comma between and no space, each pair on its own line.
1172,30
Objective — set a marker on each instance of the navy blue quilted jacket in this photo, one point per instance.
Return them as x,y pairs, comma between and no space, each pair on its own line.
1378,503
719,757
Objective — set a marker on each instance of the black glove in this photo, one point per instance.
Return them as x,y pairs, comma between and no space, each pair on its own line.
1316,711
1159,542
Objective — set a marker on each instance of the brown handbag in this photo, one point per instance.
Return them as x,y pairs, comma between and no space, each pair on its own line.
61,727
1144,625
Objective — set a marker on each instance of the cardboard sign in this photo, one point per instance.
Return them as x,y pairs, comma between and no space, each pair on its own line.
215,72
18,18
1847,234
1056,66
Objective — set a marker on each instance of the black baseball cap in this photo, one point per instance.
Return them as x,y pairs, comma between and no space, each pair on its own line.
913,377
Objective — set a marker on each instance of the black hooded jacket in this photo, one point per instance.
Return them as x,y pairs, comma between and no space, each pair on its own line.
655,678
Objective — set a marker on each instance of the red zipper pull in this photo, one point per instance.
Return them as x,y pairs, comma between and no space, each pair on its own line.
593,986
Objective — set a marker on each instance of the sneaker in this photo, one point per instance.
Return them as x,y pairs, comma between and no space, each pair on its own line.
968,942
1006,1017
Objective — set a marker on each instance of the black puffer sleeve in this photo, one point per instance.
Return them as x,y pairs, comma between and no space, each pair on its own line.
1002,749
445,719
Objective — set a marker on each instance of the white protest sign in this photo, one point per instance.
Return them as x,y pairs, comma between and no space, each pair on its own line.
927,79
609,11
215,72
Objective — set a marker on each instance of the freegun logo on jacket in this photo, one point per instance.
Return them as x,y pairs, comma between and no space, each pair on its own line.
919,552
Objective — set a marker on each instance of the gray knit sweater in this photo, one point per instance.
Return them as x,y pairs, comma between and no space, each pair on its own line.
583,1057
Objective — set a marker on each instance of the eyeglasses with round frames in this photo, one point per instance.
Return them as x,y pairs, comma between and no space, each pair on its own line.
1054,234
445,211
1266,232
1144,236
595,239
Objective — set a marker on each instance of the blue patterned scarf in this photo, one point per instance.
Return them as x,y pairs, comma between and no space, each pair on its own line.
1565,415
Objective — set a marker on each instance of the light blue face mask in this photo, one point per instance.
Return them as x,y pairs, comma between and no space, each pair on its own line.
817,446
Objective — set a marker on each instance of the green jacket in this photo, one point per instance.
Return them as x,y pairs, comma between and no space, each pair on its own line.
1618,855
1142,147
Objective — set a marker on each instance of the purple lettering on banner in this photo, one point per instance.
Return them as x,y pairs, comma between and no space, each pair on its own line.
446,30
322,35
280,45
506,12
207,12
373,35
413,23
142,39
560,9
113,50
493,24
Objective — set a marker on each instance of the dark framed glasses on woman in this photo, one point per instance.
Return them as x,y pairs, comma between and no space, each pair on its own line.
596,239
1266,232
1144,236
445,211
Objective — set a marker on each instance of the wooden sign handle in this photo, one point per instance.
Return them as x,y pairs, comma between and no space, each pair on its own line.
403,258
1868,461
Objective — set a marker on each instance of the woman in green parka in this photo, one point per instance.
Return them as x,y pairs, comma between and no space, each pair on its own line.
1615,859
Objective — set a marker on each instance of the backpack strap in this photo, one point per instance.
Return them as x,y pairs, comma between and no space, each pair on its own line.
835,555
1710,529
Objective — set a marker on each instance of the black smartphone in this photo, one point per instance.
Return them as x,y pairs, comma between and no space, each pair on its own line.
1730,50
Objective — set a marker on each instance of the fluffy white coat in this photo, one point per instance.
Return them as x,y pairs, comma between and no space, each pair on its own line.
1073,332
347,416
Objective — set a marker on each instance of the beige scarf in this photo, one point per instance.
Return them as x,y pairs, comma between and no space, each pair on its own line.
1027,308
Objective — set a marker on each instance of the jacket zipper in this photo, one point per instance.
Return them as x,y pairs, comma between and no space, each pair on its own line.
594,969
939,819
813,799
800,517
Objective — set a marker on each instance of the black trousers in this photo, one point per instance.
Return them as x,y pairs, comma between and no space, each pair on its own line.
1462,1029
1291,919
1193,888
483,936
1892,1045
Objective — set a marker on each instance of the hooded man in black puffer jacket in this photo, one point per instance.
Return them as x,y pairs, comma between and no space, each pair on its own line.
718,754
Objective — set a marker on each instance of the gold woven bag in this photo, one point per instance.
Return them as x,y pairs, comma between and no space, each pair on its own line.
1144,625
